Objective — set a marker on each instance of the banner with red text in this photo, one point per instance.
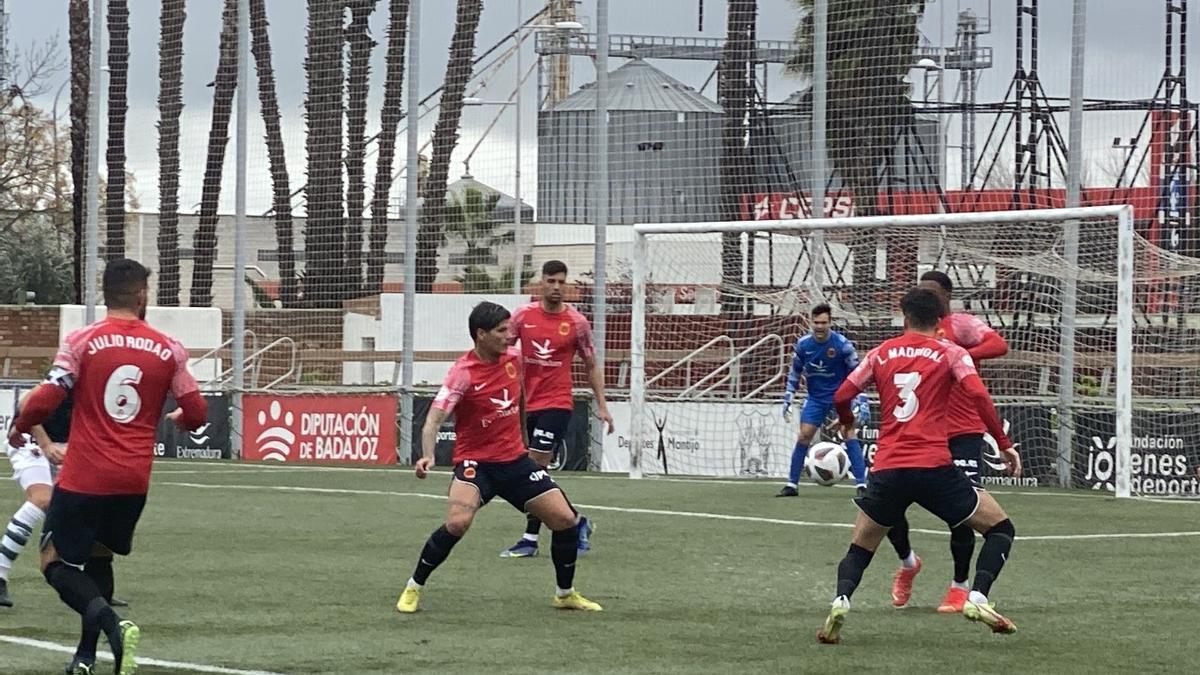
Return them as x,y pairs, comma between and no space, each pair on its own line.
327,428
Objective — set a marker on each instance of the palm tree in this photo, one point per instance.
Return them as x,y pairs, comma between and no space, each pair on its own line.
260,41
170,105
393,88
870,50
323,238
471,218
118,78
204,243
430,235
80,42
735,93
357,79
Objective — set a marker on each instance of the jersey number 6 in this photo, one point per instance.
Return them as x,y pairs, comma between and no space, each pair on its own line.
907,383
121,399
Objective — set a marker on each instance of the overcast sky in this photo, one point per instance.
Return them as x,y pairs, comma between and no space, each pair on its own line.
1124,61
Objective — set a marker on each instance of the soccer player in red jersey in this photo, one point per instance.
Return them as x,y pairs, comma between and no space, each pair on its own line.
965,429
485,392
914,374
552,333
118,372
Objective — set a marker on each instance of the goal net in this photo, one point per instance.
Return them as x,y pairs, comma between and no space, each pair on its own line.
1100,388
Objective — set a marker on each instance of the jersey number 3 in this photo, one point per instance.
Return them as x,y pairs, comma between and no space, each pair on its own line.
121,399
907,383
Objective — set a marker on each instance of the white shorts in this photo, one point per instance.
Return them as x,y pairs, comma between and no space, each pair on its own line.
30,466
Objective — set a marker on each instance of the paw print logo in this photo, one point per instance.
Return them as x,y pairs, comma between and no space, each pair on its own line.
276,440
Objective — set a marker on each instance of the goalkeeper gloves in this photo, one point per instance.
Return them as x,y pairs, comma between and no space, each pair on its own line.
862,409
787,406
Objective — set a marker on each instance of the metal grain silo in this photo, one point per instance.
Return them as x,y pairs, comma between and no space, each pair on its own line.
664,145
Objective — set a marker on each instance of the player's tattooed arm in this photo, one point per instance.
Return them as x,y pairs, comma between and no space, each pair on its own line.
433,422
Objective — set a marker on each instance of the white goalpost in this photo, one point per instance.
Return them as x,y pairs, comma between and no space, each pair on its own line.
1102,329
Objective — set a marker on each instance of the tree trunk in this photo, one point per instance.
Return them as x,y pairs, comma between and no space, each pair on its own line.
280,183
430,236
79,19
204,243
393,89
118,78
323,237
357,80
735,93
170,106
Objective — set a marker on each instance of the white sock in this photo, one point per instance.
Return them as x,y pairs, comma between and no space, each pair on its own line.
562,593
842,601
791,485
17,535
412,583
977,598
909,562
530,537
960,585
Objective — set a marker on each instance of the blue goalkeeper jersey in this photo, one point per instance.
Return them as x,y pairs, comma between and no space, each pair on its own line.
824,364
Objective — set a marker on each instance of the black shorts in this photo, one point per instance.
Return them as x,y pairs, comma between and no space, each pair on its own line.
943,491
547,429
75,522
967,453
516,482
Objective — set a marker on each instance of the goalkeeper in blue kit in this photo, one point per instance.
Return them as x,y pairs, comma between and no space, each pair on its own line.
824,358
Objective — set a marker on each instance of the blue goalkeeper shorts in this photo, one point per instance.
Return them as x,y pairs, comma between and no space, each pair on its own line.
816,411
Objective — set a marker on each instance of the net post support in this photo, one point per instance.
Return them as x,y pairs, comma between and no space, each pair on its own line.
637,356
817,189
91,254
1124,401
241,146
407,339
1066,350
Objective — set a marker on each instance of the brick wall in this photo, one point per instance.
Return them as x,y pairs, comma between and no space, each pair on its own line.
22,328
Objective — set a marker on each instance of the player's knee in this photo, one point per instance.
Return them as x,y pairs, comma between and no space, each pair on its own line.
1003,528
458,526
41,500
52,569
568,520
963,534
561,520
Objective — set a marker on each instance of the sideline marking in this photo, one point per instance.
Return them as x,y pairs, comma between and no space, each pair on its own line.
683,514
106,656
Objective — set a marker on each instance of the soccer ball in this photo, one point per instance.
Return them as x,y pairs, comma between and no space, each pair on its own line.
828,463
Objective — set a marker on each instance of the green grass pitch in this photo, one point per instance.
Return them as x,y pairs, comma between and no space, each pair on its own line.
296,570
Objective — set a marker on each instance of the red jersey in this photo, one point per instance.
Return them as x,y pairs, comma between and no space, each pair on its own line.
914,375
549,343
966,331
120,372
486,401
